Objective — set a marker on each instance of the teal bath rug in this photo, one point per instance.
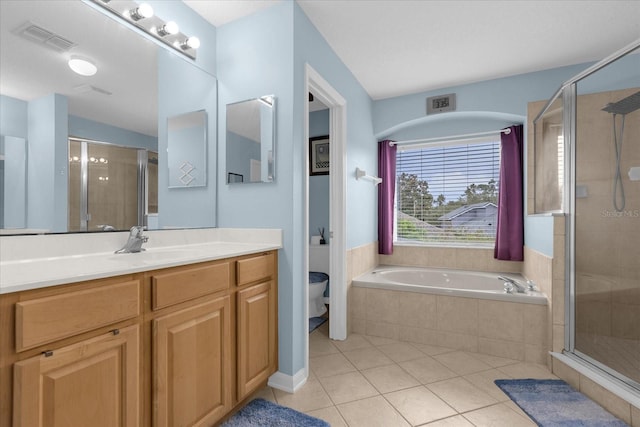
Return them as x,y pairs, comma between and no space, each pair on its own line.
555,403
262,413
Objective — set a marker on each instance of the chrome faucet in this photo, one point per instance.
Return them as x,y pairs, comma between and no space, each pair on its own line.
510,283
136,239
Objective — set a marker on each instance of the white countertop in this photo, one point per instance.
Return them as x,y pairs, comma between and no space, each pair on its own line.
32,262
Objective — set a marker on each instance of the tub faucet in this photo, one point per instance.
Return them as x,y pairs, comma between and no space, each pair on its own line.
136,239
510,283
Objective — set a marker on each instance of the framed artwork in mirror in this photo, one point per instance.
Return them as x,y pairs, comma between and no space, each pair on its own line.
319,155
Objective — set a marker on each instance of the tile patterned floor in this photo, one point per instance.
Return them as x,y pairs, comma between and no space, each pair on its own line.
370,381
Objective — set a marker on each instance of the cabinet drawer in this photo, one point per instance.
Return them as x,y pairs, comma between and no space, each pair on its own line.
48,319
255,268
189,283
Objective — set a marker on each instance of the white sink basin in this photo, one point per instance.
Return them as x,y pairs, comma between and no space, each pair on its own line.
158,255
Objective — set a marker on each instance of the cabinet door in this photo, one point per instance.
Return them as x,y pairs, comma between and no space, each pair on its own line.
92,383
256,336
192,365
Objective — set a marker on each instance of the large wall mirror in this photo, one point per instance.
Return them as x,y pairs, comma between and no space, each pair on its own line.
251,141
124,105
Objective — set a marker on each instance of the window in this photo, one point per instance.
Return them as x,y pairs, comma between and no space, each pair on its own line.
447,193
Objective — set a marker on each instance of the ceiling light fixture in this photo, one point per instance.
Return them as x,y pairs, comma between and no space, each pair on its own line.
170,28
141,12
82,66
190,43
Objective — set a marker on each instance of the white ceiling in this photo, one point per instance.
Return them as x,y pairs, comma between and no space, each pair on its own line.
398,47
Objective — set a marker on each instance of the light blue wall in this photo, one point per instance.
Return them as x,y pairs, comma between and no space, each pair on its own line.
239,150
46,179
186,206
263,54
361,150
255,58
319,184
487,105
13,117
84,128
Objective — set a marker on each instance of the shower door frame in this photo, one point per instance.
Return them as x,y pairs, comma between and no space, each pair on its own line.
141,185
568,92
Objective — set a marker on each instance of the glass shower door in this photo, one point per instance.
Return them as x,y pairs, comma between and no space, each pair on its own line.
607,234
103,186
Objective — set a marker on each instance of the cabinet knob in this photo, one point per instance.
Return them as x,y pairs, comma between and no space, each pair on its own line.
47,353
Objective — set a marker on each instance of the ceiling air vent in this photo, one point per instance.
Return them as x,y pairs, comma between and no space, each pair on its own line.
86,88
44,37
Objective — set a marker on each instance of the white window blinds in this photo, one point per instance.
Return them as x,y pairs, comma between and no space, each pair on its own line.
447,193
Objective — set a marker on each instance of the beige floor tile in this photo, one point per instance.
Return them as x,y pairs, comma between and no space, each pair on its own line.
353,342
427,370
401,352
321,346
347,387
390,378
461,394
330,415
372,412
332,364
309,397
485,381
378,341
515,408
266,393
461,363
527,370
457,421
497,416
494,361
366,358
432,350
419,405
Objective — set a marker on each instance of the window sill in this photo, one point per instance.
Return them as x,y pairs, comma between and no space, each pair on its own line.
458,245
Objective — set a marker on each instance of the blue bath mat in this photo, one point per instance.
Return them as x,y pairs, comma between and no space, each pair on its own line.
555,403
314,322
262,413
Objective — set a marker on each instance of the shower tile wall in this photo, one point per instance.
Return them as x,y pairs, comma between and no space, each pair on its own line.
607,272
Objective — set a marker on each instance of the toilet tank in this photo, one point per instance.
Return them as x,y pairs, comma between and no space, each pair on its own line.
319,258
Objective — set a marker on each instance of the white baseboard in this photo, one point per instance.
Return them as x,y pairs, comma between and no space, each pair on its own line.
286,382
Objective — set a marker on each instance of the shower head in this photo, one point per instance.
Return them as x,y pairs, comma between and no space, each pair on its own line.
624,106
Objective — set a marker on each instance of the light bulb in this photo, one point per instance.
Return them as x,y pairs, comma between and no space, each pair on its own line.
191,43
141,12
168,29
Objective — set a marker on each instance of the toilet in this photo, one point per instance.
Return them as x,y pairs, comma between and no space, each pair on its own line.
318,279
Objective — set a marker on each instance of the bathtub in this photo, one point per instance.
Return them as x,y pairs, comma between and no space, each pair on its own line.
459,283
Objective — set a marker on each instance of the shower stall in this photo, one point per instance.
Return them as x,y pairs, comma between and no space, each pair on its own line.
587,167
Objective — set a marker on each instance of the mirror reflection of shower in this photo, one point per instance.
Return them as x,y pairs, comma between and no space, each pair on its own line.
620,108
110,187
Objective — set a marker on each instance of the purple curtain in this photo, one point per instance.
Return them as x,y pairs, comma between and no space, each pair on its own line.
386,194
510,227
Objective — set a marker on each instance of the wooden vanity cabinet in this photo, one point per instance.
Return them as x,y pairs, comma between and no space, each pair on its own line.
256,323
94,382
75,355
181,346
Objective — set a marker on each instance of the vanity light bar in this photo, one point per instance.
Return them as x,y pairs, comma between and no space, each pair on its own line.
141,17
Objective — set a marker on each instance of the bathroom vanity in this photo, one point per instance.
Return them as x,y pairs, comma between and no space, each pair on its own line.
178,335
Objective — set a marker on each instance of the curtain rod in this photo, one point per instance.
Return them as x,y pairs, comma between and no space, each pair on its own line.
506,131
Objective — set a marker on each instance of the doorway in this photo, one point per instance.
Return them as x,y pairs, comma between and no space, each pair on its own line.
336,234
